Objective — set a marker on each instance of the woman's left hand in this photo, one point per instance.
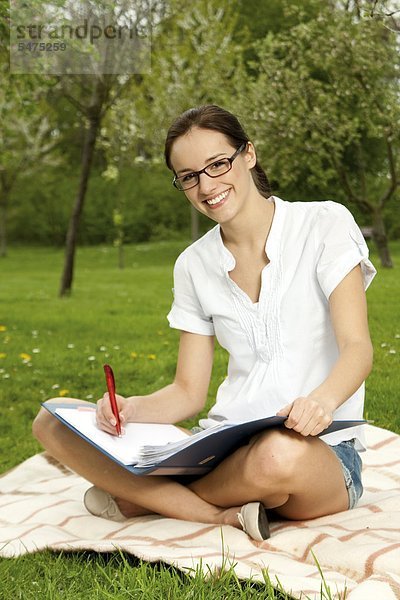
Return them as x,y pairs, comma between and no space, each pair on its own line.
306,416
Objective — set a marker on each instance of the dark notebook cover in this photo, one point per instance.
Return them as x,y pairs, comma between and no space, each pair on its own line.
203,454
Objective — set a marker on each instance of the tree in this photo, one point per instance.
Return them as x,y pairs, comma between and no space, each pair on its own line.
93,104
26,137
194,60
104,51
325,104
94,92
387,11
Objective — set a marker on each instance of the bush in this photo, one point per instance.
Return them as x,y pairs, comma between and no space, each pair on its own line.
151,208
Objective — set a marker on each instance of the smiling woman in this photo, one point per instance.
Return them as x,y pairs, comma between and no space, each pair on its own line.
213,118
281,285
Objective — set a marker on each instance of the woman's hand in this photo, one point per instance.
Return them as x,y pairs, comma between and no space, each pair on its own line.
306,416
104,415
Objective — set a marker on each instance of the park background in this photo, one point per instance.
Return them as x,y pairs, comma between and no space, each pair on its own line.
90,224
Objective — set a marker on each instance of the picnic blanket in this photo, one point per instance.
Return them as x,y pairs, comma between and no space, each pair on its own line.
358,551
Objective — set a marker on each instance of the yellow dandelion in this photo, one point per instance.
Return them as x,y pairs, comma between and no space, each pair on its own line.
133,354
25,356
151,356
3,328
3,355
63,392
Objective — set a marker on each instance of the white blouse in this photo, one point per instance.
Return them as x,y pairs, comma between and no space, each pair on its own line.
283,346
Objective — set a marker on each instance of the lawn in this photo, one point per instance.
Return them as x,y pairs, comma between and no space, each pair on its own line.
51,346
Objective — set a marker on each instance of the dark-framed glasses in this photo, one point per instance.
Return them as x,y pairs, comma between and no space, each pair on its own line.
215,169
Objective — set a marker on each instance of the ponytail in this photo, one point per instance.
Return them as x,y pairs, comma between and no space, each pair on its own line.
261,180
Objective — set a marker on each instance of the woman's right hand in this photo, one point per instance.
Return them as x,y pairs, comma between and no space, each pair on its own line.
104,415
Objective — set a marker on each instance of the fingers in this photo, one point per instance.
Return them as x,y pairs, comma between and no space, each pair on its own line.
284,412
105,418
307,417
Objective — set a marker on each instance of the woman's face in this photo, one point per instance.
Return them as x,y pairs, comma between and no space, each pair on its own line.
220,198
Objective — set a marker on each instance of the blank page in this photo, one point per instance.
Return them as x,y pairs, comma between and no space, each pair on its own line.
126,448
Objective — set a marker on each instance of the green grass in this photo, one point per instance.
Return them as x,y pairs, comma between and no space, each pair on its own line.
88,576
119,316
383,385
113,316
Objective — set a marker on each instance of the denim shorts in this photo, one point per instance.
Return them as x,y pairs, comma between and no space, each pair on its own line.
351,466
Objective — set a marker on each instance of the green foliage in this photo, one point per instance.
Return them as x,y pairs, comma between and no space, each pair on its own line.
26,136
321,105
258,19
322,108
40,206
326,97
193,60
26,128
275,16
152,208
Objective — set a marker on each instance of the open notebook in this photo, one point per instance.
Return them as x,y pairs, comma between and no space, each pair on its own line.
163,449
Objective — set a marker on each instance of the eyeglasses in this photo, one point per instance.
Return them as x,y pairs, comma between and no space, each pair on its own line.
215,169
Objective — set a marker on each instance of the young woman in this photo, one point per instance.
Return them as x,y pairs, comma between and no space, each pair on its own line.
281,286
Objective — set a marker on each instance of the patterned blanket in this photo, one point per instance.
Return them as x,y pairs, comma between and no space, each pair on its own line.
358,551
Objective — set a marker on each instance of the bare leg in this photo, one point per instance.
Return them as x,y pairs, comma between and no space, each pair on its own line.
300,477
157,494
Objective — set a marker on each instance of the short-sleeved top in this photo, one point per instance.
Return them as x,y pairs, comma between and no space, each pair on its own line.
283,346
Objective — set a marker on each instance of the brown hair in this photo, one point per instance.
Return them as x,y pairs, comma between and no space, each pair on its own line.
211,116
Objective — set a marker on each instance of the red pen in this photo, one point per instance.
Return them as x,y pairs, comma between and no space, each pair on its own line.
113,401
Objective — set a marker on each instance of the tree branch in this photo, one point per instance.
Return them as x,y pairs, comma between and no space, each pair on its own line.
82,109
357,8
343,177
110,101
344,180
372,13
393,175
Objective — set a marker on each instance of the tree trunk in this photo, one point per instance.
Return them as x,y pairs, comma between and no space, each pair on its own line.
380,239
72,234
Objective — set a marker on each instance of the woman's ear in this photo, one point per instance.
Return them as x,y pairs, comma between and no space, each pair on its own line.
250,155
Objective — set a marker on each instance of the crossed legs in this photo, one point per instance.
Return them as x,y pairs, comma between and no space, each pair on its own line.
300,478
